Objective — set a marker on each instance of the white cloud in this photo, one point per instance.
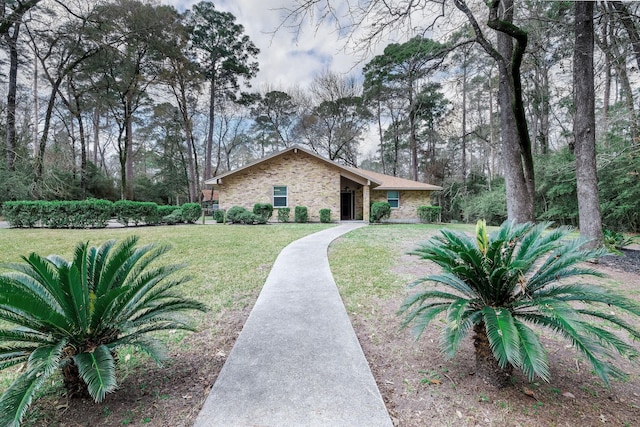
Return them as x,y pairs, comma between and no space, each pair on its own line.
284,60
289,59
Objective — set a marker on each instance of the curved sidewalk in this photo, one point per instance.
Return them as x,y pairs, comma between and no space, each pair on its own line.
297,361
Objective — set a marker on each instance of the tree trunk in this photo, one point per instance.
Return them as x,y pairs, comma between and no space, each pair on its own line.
584,124
380,134
607,29
42,146
464,121
630,28
83,143
12,42
209,148
96,135
516,143
128,142
487,367
76,388
518,160
545,110
413,139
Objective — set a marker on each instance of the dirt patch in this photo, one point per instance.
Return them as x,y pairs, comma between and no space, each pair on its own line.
150,395
421,387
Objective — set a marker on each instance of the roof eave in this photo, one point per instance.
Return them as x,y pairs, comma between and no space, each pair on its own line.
435,188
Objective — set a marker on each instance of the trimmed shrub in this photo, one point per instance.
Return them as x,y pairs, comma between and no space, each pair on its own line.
283,214
234,214
325,215
59,214
22,213
300,214
380,211
240,215
150,215
127,211
164,210
248,218
99,212
429,213
263,212
174,217
218,216
191,212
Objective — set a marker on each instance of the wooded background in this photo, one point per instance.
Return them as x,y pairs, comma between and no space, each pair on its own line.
130,99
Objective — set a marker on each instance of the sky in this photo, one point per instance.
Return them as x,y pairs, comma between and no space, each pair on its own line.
284,61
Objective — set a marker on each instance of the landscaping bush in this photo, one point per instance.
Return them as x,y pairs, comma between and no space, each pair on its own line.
150,215
429,213
500,285
127,211
164,210
263,212
234,214
248,218
22,214
380,211
614,241
98,212
283,214
191,212
489,205
240,215
59,214
300,214
325,215
175,217
73,317
218,216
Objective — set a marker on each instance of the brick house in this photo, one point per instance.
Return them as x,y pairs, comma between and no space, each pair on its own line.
298,177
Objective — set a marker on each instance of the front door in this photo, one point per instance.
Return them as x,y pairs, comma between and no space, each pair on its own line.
346,206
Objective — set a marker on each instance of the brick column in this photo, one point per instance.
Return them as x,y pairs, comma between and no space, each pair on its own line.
365,203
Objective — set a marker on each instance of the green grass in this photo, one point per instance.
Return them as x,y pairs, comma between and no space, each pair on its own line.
363,261
226,263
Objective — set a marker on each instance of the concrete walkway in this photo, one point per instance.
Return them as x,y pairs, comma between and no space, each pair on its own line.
297,361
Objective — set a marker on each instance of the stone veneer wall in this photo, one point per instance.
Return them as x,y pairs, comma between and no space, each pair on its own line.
309,183
409,202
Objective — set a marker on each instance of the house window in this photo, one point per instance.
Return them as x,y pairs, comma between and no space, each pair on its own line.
280,197
393,197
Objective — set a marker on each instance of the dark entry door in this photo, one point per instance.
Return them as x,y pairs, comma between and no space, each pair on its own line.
346,206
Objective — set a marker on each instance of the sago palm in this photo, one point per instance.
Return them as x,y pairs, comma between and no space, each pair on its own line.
502,285
73,316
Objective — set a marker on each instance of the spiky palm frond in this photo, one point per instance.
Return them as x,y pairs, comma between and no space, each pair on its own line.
520,275
98,370
78,312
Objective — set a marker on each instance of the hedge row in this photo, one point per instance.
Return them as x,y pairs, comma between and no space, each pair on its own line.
93,213
262,212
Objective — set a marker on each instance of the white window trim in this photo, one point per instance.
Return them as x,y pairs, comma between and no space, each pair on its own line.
397,191
273,195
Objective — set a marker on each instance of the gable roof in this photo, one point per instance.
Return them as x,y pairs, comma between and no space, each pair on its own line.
389,182
376,180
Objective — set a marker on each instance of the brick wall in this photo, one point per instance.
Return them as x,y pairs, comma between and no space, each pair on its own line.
409,202
309,183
